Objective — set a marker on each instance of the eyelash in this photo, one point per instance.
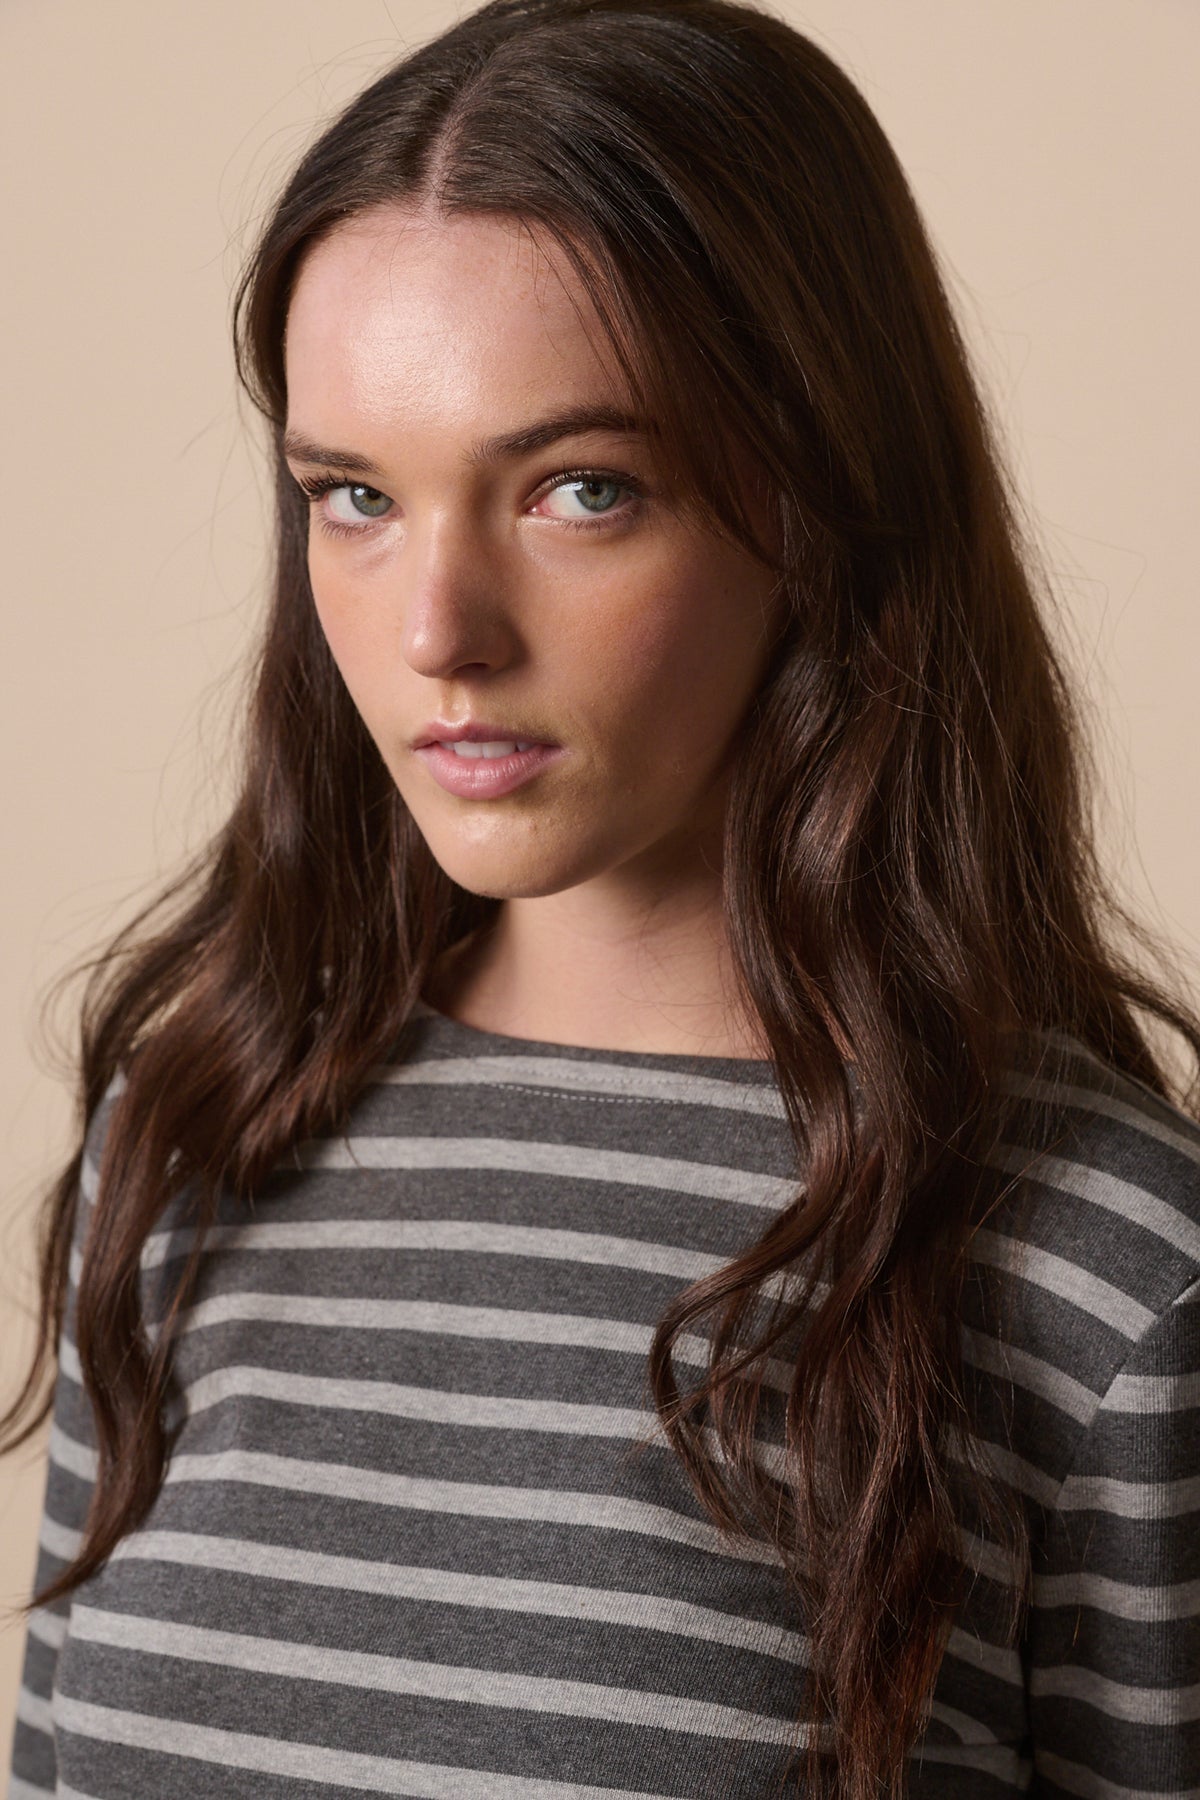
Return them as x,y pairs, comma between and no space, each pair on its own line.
317,486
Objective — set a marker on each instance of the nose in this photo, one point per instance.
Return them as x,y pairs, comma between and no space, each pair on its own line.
453,601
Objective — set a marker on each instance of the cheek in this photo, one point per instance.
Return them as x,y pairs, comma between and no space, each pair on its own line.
680,662
353,630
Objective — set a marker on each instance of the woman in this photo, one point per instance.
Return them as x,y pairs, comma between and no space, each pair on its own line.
631,1237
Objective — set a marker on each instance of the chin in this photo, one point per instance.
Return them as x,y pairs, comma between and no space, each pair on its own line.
503,874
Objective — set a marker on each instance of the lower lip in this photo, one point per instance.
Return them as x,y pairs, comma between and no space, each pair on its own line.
486,777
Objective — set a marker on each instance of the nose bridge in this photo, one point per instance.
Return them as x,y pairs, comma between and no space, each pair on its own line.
452,595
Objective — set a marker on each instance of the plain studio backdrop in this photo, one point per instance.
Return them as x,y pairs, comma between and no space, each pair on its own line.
1053,148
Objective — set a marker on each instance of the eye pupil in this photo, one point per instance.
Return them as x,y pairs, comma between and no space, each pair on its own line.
588,489
359,490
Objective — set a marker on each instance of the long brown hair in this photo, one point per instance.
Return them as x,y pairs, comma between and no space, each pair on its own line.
909,872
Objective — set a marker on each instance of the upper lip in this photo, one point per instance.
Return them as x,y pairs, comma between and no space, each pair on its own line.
474,732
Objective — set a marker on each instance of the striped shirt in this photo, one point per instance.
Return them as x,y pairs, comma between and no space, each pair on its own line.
421,1535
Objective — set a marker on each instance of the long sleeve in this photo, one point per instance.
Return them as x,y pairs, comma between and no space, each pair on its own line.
69,1481
1114,1640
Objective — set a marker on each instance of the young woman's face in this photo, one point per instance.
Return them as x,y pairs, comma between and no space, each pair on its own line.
461,581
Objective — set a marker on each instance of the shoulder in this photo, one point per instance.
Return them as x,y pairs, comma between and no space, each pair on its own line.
1087,1264
1107,1173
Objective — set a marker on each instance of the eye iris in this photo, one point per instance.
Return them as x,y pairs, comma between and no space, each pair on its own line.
584,488
358,490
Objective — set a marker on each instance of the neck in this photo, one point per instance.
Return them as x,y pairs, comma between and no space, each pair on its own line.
568,969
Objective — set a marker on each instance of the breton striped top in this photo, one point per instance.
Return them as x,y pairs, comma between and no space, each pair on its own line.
419,1534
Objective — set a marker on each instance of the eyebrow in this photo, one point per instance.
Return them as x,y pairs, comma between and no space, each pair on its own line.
521,442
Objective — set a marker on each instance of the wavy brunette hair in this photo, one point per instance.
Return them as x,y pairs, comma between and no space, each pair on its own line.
909,873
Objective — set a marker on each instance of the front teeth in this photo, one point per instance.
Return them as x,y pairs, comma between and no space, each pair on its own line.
465,748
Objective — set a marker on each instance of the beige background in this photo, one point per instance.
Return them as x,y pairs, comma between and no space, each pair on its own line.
1053,147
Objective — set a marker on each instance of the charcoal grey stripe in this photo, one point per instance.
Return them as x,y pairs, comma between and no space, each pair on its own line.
576,1162
310,1762
1140,1705
1148,1605
1030,1372
439,1316
409,1675
1003,1761
378,1487
1066,1279
562,1506
453,1587
1099,1188
1089,1100
615,1080
496,1412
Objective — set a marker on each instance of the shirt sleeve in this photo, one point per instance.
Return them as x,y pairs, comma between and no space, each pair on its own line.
70,1477
1113,1641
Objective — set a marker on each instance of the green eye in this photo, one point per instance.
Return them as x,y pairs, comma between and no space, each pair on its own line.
367,500
598,493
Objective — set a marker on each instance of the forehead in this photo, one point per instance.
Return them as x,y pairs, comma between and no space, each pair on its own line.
400,313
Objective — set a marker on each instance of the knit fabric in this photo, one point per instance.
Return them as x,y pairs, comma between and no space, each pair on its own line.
420,1533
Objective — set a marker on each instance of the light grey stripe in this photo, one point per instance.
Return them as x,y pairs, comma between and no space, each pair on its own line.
986,1558
500,1412
62,1541
1131,1499
601,1512
478,1236
503,1324
311,1763
1032,1373
1099,1188
999,1660
1171,1706
33,1711
454,1587
1148,1605
615,1080
467,1685
1077,1780
1089,1100
48,1628
967,1729
402,1400
1153,1393
1002,1462
1066,1279
19,1789
579,1162
77,1459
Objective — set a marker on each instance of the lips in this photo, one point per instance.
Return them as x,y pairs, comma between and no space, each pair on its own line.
487,777
476,732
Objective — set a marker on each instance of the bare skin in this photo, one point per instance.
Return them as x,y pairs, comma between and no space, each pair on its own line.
463,591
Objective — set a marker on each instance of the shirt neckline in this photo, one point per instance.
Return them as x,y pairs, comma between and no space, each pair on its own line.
474,1039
